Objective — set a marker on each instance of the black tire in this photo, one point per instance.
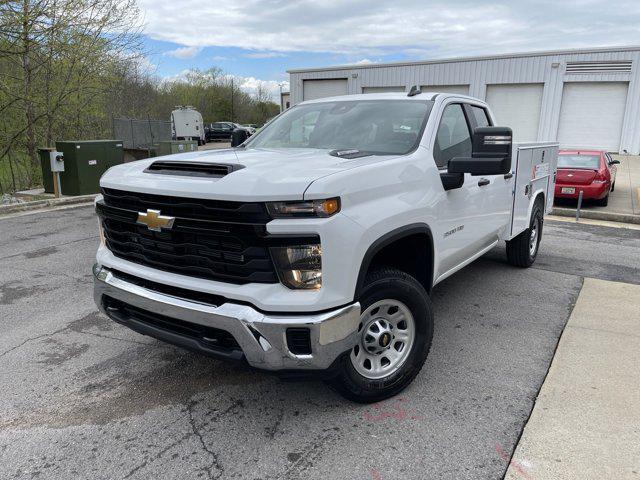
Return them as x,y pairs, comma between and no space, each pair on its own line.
381,284
613,186
519,252
603,202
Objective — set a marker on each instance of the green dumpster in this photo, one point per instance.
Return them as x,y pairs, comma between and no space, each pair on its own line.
171,147
45,165
85,162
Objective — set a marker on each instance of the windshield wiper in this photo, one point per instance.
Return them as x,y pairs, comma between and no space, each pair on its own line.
350,153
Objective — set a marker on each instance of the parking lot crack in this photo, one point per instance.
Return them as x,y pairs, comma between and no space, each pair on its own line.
215,462
71,327
157,455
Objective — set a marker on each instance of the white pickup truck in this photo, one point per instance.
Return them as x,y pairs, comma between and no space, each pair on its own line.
313,246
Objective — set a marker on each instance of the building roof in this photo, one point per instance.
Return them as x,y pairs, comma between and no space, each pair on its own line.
471,59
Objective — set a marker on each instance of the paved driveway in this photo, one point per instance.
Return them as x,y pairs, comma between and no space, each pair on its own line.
82,397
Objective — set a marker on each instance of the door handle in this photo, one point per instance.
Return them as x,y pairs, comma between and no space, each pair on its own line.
507,176
483,181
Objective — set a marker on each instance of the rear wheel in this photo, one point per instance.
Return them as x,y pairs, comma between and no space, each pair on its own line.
523,249
395,332
603,202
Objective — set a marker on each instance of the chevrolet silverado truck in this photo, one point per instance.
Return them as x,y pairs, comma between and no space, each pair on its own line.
314,245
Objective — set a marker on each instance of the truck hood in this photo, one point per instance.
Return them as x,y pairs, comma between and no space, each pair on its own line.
267,174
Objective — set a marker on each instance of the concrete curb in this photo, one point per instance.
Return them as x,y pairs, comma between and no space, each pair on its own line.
597,215
40,204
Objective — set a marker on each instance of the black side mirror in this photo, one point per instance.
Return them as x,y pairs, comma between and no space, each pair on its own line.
614,162
238,136
490,153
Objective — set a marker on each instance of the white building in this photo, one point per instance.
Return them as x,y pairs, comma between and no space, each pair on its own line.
580,98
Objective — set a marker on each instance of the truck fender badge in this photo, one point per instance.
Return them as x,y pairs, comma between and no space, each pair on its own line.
154,220
455,230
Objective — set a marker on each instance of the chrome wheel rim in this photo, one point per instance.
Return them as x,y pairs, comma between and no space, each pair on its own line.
387,332
533,238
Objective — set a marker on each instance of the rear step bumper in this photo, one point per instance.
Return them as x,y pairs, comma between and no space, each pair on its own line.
230,331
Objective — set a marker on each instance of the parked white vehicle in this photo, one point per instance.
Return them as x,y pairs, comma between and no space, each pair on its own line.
314,247
186,124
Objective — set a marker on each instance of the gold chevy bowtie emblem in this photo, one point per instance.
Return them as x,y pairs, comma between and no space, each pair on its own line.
154,221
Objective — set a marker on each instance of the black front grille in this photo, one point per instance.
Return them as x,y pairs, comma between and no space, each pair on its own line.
215,240
210,336
194,208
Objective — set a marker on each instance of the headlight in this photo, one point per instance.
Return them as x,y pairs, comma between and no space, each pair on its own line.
299,267
309,208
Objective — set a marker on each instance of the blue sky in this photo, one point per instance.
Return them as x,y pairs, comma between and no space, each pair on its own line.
258,40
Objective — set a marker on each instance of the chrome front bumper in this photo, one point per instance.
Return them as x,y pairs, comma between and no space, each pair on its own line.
262,337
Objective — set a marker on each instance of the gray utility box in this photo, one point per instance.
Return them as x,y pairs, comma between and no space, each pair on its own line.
174,146
85,162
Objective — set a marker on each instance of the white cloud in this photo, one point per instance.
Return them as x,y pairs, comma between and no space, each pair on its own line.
272,87
184,52
250,85
264,55
424,29
364,61
219,58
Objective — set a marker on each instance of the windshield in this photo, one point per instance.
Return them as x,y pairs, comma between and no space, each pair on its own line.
378,127
591,162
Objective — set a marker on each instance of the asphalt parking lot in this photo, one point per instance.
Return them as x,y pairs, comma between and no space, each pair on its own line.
82,397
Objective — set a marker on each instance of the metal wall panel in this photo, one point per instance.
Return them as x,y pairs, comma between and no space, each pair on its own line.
544,67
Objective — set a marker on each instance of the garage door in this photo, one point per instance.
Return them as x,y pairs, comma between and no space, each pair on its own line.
461,89
518,107
382,89
591,115
313,89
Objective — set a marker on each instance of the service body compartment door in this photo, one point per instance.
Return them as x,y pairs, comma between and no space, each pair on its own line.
534,166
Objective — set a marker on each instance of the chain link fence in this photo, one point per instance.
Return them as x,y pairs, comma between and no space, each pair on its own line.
140,134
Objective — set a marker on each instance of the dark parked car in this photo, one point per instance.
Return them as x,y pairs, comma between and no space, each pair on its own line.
219,131
223,131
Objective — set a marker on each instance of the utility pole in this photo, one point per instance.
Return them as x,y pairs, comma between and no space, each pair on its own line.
231,99
280,85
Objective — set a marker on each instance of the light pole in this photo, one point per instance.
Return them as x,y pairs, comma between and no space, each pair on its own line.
281,106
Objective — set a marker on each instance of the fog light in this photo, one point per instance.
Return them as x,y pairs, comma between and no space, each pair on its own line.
299,267
96,269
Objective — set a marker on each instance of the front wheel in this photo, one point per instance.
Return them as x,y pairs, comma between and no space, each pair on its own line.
523,249
394,338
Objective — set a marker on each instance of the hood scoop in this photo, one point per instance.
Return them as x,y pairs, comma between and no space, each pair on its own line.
192,169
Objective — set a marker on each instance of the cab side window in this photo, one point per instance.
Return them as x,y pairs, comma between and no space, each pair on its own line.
480,115
453,138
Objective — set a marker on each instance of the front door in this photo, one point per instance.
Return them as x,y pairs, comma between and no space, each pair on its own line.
497,189
462,224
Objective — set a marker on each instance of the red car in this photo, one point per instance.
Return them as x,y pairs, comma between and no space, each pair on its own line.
592,171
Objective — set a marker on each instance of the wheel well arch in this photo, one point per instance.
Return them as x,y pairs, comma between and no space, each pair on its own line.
408,248
537,197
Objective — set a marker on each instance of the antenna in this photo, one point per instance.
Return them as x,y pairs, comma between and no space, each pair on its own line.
415,90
